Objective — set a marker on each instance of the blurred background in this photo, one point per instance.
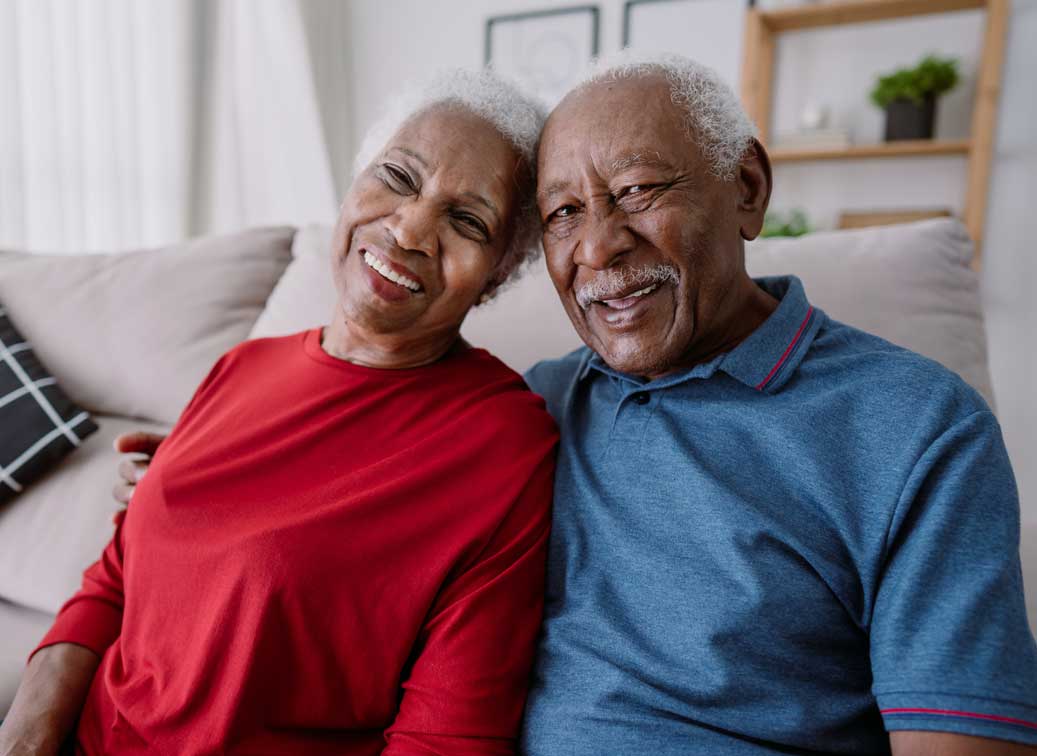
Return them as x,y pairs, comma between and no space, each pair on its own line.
134,123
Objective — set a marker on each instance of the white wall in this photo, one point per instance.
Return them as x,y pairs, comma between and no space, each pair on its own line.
391,41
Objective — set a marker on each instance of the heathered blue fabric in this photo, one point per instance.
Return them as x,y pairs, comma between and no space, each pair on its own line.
749,565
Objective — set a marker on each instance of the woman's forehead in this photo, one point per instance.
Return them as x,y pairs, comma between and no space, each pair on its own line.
449,132
459,147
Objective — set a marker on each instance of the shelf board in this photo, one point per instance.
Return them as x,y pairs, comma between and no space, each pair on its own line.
907,148
859,11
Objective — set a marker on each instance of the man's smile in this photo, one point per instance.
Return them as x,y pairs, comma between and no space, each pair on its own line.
628,300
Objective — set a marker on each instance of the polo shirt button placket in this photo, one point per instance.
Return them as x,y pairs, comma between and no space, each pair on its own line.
642,398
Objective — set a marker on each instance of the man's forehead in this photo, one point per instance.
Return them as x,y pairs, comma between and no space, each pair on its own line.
639,158
632,119
600,100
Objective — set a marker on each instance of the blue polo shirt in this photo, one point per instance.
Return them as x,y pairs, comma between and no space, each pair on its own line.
795,547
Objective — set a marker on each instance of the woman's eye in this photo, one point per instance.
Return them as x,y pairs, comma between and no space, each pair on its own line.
398,178
472,224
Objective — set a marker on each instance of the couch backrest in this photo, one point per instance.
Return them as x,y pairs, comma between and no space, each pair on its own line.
134,333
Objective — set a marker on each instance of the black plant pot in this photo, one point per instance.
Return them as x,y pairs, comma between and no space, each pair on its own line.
907,119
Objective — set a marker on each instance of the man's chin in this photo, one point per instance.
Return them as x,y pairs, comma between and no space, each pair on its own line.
631,354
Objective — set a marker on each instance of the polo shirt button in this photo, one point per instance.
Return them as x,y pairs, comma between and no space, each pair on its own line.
641,397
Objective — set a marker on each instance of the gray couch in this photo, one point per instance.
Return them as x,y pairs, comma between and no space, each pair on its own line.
130,335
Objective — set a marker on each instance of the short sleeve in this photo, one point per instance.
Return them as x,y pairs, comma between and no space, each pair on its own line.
951,649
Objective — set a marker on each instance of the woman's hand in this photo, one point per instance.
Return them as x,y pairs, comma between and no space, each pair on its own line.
131,470
49,700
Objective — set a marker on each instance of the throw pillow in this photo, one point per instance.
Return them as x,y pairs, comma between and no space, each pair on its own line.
40,425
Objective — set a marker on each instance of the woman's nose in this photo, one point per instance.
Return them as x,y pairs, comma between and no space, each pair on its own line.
413,226
604,236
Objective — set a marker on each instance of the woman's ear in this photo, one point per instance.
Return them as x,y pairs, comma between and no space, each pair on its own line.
754,184
489,292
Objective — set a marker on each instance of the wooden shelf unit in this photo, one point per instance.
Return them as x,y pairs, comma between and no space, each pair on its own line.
762,28
906,148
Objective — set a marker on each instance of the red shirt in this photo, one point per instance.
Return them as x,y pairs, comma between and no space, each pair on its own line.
325,558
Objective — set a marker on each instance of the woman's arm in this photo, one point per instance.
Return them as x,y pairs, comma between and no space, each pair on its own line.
57,678
467,687
49,700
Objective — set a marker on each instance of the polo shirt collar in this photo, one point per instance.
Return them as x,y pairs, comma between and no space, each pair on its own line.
771,353
765,360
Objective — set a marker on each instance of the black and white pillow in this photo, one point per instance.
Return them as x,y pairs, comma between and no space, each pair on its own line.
38,424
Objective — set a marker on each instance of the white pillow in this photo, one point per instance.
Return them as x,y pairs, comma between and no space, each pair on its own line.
133,333
524,323
911,284
60,524
305,296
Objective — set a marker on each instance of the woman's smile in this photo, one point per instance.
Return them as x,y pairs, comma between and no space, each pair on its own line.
391,271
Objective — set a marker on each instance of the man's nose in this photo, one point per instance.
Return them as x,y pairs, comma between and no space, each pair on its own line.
604,237
413,226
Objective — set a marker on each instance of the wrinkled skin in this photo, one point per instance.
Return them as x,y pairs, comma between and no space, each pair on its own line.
621,184
438,205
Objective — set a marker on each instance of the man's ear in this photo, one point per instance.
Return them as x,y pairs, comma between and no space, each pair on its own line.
754,190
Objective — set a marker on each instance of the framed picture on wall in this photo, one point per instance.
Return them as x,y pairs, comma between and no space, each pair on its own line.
709,31
544,51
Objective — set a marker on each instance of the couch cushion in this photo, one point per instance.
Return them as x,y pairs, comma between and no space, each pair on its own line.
524,323
21,628
134,333
40,424
910,284
1028,554
60,525
305,296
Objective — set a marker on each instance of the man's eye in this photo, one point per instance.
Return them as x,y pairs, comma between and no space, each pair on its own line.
636,189
565,211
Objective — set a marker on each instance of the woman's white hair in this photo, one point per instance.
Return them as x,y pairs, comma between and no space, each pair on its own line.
714,118
517,116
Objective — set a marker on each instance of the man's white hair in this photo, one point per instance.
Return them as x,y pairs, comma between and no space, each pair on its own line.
714,118
517,116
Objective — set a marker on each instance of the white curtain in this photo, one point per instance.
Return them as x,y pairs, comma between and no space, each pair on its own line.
126,124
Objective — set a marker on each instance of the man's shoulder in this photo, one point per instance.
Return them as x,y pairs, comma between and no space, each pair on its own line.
550,378
877,372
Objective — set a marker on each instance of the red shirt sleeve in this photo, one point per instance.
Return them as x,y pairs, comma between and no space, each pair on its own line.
93,616
467,687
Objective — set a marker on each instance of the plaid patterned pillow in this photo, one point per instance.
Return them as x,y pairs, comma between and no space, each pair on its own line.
38,423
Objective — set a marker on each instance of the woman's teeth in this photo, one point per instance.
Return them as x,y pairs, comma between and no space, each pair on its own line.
627,301
392,275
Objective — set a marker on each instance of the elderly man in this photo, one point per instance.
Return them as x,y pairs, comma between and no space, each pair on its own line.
773,533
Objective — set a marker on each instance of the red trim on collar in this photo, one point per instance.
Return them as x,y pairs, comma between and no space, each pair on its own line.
788,350
968,714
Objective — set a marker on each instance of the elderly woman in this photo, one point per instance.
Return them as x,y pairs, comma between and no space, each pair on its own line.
340,547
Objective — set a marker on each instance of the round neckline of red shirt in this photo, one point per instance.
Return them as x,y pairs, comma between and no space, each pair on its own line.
312,347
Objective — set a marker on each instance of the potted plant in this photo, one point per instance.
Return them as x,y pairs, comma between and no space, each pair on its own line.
908,96
777,224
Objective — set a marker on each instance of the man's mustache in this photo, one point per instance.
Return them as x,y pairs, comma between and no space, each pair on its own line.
614,282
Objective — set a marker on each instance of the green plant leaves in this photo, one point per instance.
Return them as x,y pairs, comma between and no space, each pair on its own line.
932,76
